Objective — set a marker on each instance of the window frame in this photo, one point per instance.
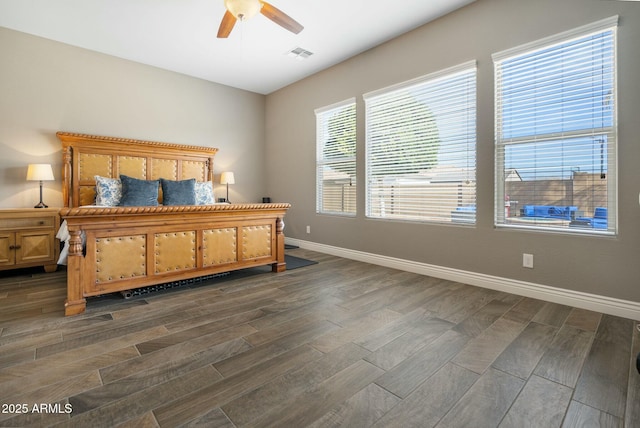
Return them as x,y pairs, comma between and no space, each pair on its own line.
321,114
446,216
501,143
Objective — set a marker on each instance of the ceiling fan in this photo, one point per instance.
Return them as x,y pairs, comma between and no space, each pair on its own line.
245,9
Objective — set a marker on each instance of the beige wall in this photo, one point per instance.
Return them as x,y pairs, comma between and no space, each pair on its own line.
47,86
604,266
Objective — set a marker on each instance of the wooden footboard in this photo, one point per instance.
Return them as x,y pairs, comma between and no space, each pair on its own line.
132,247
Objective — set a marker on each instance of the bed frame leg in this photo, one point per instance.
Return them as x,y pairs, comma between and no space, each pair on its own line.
75,307
75,302
281,265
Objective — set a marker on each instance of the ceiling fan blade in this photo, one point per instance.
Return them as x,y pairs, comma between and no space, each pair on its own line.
280,18
228,21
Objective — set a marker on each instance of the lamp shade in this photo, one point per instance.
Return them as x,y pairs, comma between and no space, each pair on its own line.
40,172
227,178
243,9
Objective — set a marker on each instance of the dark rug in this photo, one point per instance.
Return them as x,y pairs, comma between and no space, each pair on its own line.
294,262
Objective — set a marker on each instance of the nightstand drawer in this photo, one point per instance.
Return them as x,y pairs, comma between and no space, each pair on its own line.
26,222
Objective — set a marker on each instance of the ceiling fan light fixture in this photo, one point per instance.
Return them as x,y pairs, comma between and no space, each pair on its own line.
243,9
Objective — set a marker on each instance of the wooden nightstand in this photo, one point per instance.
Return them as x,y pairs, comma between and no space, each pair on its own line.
28,238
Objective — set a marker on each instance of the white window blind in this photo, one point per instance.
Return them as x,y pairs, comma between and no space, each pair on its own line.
556,132
421,148
336,158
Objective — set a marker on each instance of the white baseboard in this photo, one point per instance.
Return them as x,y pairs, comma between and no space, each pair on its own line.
592,302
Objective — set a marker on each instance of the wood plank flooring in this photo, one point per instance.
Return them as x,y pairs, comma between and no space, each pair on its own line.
336,344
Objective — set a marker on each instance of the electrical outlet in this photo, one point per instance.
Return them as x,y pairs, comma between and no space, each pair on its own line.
527,260
308,229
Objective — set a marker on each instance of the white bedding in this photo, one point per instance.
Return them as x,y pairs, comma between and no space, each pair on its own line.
63,236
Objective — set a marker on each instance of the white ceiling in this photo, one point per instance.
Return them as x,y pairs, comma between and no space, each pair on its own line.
180,35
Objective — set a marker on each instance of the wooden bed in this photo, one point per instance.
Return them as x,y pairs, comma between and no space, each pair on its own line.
118,248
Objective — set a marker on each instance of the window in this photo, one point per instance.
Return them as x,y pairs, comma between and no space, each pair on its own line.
421,148
556,132
336,158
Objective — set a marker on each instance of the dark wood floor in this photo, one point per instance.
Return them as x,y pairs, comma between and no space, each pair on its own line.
340,343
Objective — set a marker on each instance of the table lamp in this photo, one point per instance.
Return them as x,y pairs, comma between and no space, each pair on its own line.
40,172
227,178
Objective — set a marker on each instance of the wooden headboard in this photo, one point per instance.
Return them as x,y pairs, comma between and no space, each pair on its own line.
85,156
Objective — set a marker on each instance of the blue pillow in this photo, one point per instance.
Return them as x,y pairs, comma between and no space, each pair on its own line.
138,193
181,192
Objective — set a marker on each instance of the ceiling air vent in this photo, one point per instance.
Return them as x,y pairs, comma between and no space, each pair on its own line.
299,53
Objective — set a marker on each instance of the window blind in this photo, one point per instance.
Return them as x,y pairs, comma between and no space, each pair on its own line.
421,148
336,158
556,132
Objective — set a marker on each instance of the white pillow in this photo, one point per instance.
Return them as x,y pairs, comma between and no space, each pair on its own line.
108,191
204,193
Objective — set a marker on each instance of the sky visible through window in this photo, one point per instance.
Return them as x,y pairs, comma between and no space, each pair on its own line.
557,108
456,122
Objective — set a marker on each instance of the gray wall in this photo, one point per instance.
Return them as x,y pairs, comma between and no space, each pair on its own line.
47,87
604,266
